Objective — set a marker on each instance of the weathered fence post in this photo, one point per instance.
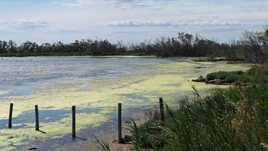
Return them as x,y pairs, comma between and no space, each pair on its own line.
120,123
10,115
162,116
73,122
36,118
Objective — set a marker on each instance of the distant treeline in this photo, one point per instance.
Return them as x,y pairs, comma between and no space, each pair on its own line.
253,47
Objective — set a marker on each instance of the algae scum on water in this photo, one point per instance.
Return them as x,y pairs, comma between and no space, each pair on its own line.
94,86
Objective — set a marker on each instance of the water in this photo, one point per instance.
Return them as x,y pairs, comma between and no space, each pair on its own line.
23,76
94,85
29,76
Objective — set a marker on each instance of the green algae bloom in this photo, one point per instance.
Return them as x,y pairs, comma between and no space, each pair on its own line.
173,81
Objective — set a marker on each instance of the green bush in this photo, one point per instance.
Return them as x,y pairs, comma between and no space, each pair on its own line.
230,77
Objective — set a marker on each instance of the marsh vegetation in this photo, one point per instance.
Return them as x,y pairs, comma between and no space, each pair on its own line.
228,119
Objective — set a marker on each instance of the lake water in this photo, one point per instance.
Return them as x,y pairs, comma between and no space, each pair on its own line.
94,85
22,76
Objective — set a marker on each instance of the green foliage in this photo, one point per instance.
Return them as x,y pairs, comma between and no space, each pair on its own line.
259,74
77,48
230,77
252,48
232,119
142,138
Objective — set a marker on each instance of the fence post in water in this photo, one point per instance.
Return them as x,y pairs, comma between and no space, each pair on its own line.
73,122
36,118
162,116
10,115
120,123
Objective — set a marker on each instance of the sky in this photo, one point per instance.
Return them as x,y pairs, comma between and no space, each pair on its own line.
129,21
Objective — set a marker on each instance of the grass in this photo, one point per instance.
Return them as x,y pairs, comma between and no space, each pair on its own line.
232,119
230,77
102,145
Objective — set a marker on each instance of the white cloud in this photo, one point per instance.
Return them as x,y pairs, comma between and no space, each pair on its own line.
22,25
78,3
115,3
76,19
182,21
86,3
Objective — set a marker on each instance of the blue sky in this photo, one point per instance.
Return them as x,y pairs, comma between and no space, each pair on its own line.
128,20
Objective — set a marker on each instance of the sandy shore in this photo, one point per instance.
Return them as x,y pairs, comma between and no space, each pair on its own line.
92,145
108,136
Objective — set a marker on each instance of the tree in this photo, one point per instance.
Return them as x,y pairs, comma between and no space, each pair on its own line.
254,44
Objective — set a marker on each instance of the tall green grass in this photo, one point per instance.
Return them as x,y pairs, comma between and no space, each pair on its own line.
227,120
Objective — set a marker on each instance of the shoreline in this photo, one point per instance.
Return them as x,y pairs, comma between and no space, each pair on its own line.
195,59
164,85
107,132
85,56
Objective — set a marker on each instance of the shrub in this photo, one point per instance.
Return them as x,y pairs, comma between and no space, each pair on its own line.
230,77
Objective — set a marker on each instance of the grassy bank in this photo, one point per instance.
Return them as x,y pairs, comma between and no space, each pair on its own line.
230,119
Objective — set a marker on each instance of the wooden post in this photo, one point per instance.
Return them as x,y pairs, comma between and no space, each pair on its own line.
120,123
10,115
36,118
162,116
73,122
